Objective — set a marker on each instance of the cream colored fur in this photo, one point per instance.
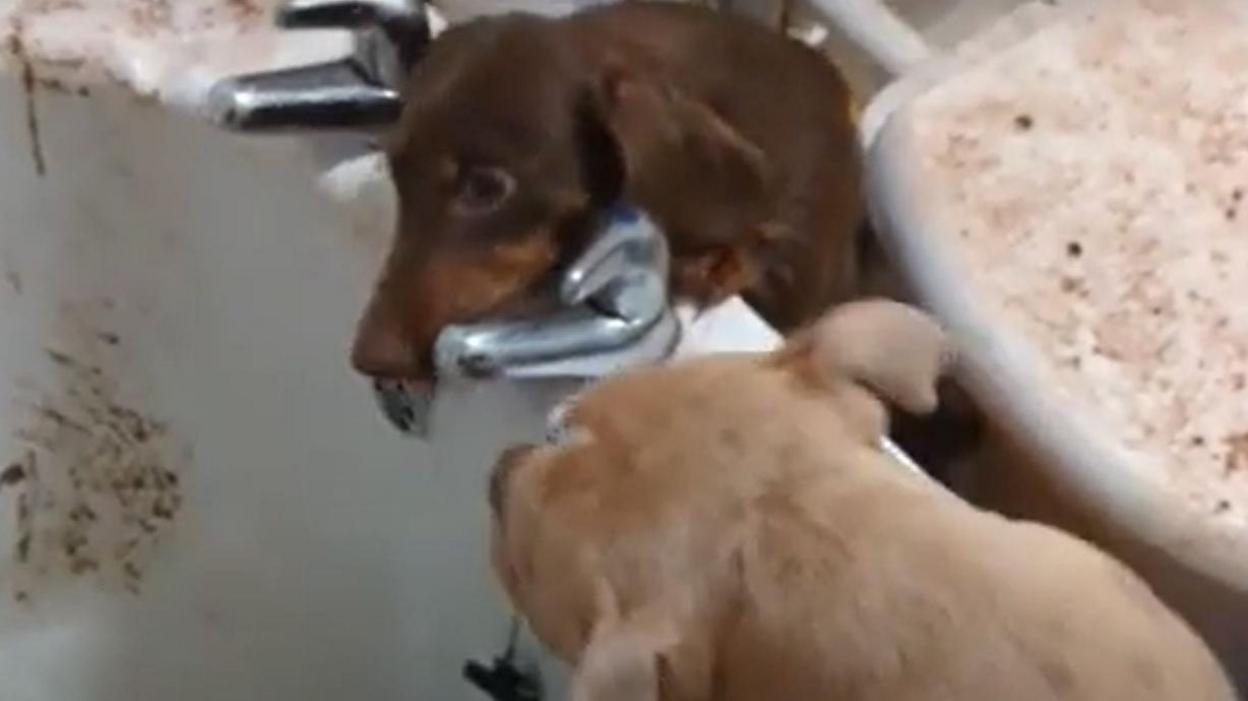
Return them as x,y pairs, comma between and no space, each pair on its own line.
726,529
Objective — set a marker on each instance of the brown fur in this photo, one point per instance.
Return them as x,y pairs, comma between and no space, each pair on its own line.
727,529
737,140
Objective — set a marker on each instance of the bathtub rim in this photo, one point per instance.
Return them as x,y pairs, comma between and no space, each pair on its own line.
1000,367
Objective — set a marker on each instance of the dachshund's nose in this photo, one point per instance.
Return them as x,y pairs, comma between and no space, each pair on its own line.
384,354
388,345
403,380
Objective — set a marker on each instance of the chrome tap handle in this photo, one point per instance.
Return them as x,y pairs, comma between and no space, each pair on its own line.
620,266
327,96
615,313
391,35
361,91
343,14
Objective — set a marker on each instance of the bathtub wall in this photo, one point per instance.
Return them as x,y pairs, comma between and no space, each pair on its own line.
199,500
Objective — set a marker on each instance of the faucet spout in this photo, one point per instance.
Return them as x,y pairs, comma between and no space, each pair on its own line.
362,91
332,95
615,314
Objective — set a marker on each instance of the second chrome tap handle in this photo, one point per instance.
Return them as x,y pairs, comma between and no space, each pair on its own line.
349,14
392,35
362,91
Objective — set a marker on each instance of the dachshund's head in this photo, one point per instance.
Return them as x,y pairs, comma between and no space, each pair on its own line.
518,130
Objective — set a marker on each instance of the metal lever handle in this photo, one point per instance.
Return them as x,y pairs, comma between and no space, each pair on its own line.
402,24
616,313
334,95
629,247
361,91
342,14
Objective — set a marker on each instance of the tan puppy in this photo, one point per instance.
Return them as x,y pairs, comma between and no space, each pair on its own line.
727,529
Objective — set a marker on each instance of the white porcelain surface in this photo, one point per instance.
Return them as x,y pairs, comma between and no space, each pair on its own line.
213,281
1124,505
316,554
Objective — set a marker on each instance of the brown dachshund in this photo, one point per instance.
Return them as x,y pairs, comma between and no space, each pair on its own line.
728,529
737,140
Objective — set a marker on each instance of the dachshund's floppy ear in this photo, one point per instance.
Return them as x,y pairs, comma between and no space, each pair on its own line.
895,351
702,181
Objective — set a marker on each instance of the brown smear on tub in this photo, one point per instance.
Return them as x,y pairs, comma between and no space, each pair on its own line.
98,485
245,8
17,48
15,472
66,63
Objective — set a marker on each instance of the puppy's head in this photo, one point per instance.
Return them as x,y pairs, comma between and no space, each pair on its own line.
614,543
516,132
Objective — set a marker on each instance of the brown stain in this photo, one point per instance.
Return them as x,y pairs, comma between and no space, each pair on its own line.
151,16
17,48
245,9
98,488
1237,452
15,473
56,85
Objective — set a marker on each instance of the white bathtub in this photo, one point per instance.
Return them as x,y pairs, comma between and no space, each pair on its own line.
201,284
201,500
176,306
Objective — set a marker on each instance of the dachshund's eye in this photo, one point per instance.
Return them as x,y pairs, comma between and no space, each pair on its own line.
481,189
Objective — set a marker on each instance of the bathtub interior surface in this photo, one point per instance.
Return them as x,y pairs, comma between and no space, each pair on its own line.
1068,472
200,281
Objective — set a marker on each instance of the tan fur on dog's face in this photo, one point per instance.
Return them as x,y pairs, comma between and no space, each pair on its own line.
728,529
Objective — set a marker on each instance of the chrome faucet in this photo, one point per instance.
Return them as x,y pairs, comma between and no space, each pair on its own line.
612,308
361,91
614,311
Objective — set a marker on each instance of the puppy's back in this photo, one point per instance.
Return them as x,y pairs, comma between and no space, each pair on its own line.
864,588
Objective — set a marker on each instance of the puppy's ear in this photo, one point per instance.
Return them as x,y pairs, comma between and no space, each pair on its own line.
894,350
621,663
641,656
705,183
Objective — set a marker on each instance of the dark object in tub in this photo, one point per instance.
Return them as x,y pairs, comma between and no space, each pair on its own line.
502,681
13,474
939,441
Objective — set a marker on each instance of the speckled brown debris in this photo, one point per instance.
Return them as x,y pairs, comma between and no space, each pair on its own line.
97,489
13,474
